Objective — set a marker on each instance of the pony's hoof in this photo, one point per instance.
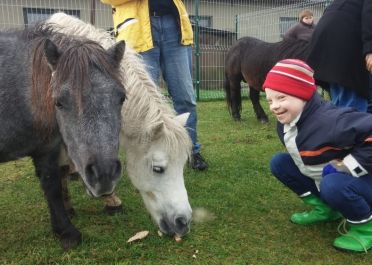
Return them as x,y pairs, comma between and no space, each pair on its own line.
264,120
70,239
237,118
112,210
71,212
74,176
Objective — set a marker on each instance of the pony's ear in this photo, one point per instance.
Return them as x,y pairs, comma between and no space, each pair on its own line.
116,52
156,129
182,118
51,53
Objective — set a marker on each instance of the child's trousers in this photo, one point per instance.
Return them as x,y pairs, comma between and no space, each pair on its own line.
349,195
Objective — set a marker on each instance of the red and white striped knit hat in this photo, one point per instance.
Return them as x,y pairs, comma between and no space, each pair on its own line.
293,77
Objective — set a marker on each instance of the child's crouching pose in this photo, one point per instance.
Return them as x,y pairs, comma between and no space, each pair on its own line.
329,159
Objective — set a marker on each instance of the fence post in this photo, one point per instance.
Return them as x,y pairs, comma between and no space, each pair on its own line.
197,50
236,26
93,12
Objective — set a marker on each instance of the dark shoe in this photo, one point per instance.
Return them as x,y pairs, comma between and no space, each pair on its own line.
198,162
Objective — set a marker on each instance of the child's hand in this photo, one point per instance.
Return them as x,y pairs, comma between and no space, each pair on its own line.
335,167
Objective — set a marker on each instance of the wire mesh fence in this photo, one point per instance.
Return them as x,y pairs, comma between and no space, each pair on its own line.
217,25
220,23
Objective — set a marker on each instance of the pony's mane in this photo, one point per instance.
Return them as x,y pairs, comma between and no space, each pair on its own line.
74,64
146,107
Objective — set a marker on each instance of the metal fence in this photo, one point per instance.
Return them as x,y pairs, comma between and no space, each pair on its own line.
217,25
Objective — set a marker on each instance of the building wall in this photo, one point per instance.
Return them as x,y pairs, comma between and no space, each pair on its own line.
256,18
11,12
260,19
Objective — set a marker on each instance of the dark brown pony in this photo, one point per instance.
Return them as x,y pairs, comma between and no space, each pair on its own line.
249,60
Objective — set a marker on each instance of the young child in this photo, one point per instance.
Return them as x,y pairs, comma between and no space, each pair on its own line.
329,159
304,28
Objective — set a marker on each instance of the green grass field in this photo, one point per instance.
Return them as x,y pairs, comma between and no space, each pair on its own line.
251,210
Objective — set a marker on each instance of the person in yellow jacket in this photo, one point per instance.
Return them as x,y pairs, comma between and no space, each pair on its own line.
161,32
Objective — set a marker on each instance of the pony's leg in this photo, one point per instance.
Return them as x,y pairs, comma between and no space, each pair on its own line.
235,98
49,173
65,173
113,204
254,95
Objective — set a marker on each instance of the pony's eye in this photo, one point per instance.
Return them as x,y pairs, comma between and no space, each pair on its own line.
158,170
122,99
58,104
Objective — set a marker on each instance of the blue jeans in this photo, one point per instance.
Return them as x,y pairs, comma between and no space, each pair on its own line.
351,196
285,170
174,61
369,109
343,97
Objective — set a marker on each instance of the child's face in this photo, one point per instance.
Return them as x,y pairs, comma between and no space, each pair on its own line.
308,20
285,107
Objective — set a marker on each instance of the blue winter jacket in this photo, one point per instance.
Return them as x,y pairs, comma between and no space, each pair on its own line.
326,132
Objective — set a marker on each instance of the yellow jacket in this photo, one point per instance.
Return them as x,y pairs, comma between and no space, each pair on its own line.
132,23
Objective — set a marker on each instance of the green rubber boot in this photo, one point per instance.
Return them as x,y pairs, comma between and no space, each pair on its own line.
321,212
357,239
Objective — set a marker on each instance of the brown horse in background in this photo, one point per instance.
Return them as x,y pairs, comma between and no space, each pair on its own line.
249,60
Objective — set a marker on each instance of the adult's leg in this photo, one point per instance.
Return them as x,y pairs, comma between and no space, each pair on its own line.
176,67
344,97
151,60
151,57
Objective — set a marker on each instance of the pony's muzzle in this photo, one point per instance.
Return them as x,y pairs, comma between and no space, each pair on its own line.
102,176
180,226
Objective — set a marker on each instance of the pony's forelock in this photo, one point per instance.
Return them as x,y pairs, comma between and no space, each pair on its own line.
145,105
78,55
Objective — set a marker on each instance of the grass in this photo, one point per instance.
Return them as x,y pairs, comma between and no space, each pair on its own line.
251,211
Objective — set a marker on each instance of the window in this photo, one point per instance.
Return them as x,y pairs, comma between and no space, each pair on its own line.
33,15
204,21
285,23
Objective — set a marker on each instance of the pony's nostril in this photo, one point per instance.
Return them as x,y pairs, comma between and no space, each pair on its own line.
181,222
164,226
91,173
182,225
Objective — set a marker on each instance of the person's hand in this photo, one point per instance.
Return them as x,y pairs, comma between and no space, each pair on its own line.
335,167
369,62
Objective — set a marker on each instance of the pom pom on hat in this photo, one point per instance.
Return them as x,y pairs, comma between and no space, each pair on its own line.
293,77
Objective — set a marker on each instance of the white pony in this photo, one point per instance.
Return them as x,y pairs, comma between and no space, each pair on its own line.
155,141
